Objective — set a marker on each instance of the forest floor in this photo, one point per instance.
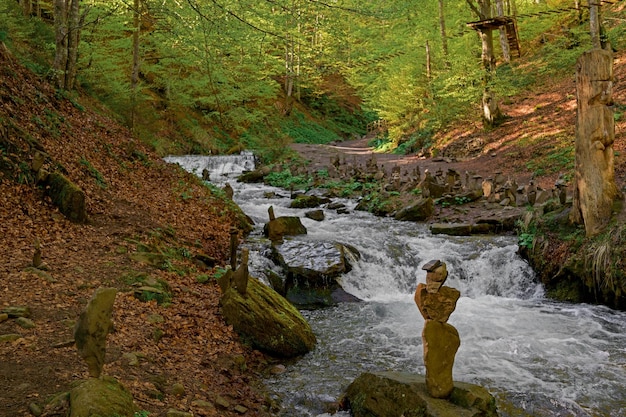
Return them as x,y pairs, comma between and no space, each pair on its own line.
134,201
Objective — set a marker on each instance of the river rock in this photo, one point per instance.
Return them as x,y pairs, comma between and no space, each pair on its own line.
436,306
395,394
316,263
92,328
283,226
460,229
258,175
441,342
101,397
416,212
308,201
317,215
267,321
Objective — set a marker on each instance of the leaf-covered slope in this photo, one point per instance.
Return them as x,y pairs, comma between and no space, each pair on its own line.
135,202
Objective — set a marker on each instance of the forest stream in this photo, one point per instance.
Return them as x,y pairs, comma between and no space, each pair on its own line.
536,356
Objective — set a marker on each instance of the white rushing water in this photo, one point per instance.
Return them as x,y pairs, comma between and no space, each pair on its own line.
538,357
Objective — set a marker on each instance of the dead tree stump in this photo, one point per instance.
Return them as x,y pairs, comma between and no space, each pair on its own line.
594,183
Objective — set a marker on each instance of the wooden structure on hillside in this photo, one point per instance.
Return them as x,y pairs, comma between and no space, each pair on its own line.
510,27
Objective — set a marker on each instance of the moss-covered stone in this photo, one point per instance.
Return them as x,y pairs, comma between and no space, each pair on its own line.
283,226
396,394
307,201
68,197
267,321
101,397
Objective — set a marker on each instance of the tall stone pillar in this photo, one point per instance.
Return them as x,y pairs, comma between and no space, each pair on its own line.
441,340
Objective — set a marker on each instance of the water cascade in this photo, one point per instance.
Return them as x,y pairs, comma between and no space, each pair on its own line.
538,357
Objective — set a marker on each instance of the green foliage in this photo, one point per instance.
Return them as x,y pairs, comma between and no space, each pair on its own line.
94,173
284,179
304,130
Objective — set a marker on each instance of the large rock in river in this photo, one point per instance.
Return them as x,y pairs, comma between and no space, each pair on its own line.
267,321
315,262
283,226
396,394
416,212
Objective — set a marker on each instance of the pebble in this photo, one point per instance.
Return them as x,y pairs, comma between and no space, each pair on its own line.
278,369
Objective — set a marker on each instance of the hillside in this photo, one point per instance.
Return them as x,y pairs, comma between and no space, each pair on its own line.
136,204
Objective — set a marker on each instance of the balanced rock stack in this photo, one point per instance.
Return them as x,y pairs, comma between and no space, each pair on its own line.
441,340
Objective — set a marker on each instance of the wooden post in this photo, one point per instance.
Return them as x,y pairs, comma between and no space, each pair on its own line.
594,186
233,247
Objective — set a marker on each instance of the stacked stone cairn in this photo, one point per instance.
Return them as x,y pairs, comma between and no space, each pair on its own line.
441,340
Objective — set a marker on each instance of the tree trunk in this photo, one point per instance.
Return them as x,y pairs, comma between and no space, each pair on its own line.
67,23
134,77
61,39
594,186
504,43
74,24
594,23
444,39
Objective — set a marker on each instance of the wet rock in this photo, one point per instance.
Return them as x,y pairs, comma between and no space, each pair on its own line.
256,176
317,215
105,397
282,226
419,211
308,201
267,321
92,328
393,394
315,262
460,229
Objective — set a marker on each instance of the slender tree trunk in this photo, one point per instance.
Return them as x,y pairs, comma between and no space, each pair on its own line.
504,43
61,41
134,77
594,22
444,39
74,24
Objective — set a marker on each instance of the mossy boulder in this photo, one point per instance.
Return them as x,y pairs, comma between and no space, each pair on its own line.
283,226
267,321
68,197
101,397
308,201
396,394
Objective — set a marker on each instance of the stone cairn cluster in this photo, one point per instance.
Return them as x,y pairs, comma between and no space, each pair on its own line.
441,340
495,189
